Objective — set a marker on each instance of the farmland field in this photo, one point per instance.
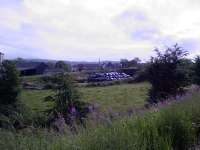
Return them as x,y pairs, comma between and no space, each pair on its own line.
117,97
35,78
34,99
175,126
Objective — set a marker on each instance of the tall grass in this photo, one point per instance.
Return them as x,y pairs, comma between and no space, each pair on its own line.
174,127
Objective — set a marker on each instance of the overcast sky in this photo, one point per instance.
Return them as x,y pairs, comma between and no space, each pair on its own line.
92,29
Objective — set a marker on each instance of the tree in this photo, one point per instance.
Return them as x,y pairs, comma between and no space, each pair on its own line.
63,65
9,92
9,83
124,63
165,74
19,60
67,101
197,71
80,67
132,63
186,66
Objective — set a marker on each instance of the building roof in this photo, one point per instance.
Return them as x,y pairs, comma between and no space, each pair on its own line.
88,65
28,65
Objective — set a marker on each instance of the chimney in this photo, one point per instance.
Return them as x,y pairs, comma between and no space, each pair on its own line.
1,57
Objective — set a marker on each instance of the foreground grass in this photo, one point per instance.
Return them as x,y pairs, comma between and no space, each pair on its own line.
174,127
117,97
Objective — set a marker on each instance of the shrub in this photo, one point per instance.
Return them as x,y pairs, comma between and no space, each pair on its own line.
166,75
141,76
9,84
197,70
67,102
62,65
186,67
10,116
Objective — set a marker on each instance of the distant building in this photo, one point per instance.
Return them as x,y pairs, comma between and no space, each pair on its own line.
31,68
109,66
1,57
86,67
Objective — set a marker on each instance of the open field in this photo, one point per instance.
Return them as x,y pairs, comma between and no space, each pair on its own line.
117,97
35,78
166,127
173,127
34,99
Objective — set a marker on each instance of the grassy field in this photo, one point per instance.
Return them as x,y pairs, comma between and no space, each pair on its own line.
167,128
34,99
117,97
35,78
173,127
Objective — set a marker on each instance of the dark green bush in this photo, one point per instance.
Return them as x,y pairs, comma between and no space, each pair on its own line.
10,107
166,75
67,101
197,71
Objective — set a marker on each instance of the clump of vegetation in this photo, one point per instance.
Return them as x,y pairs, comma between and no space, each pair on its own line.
10,107
132,63
63,65
186,66
166,74
67,104
197,70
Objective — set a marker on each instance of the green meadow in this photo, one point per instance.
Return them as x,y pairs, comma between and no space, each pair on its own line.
176,126
118,97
